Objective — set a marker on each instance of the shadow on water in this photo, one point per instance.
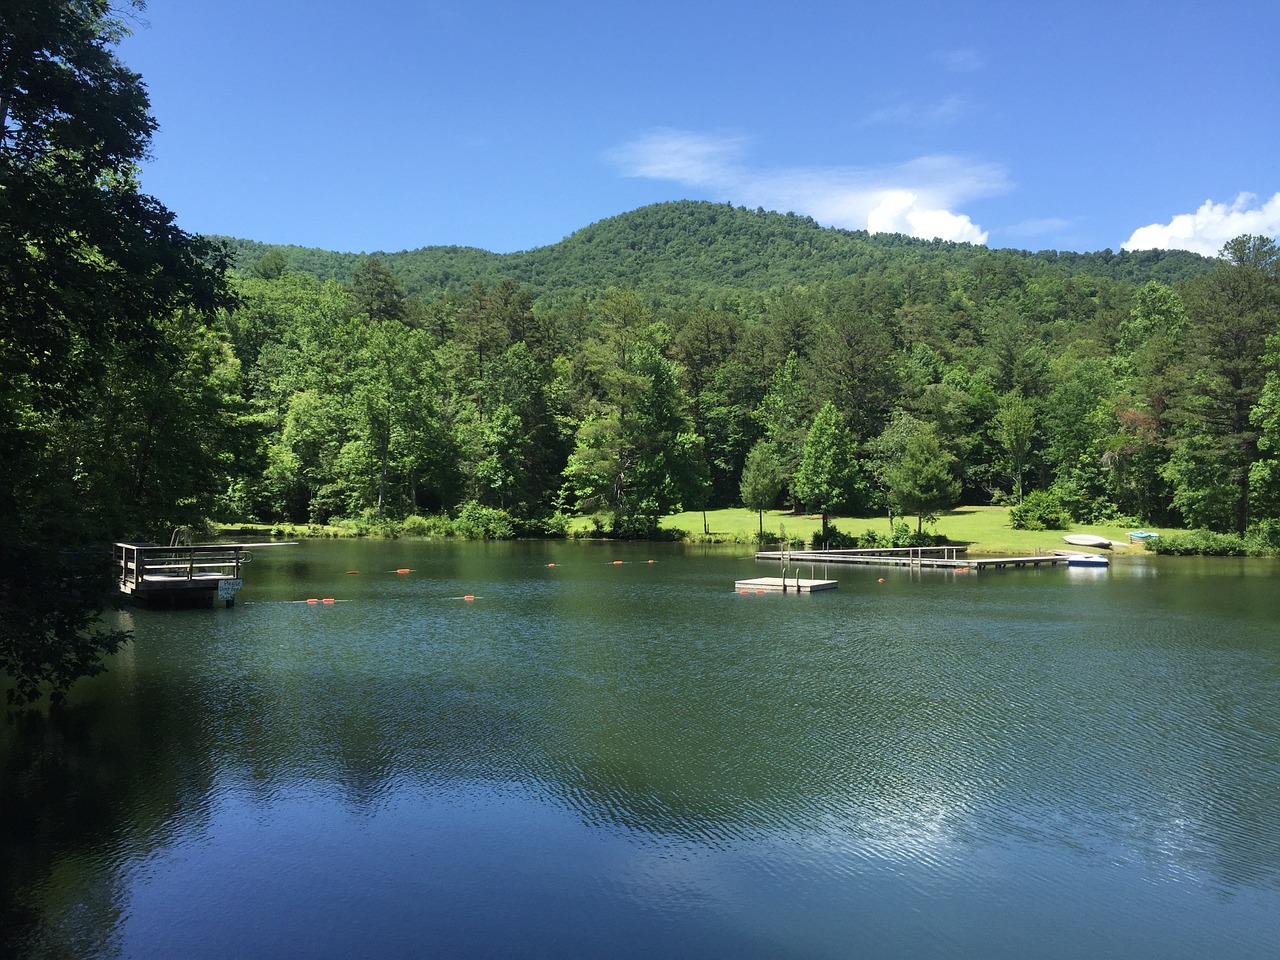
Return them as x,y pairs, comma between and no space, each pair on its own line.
77,784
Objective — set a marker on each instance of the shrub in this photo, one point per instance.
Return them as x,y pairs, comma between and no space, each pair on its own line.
1264,536
555,525
419,526
1039,510
1203,543
835,539
925,538
478,522
871,540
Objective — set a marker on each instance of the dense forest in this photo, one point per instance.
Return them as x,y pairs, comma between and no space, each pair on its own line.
694,252
682,355
695,354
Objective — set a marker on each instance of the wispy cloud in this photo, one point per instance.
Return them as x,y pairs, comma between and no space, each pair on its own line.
695,159
1206,230
918,197
962,61
913,113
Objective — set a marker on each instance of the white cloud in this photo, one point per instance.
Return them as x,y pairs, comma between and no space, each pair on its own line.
692,158
917,197
899,212
1206,230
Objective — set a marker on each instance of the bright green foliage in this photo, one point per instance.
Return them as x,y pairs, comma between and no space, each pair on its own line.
828,479
762,480
637,458
704,249
783,414
922,482
1264,473
1013,428
1040,510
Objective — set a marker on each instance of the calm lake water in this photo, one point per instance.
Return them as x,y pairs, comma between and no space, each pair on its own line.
596,759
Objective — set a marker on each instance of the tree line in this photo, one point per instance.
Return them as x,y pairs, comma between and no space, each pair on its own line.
1122,401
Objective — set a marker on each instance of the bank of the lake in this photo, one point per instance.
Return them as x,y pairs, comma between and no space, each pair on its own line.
982,529
553,749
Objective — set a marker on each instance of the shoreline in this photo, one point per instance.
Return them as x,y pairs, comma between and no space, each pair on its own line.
983,530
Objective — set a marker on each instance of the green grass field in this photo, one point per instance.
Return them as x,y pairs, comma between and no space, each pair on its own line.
985,530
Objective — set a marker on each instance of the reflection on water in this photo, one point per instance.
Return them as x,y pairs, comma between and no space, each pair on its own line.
631,759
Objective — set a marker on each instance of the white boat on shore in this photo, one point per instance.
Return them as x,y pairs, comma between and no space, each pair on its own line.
1087,540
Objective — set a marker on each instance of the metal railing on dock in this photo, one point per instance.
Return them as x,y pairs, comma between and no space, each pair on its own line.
952,557
196,573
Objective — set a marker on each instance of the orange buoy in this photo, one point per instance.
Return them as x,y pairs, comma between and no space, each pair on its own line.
617,563
759,591
313,599
652,561
550,564
327,600
881,580
469,596
403,570
352,573
744,592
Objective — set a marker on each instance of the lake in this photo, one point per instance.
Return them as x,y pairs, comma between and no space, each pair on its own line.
598,759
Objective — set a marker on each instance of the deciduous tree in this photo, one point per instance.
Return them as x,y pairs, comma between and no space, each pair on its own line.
89,267
827,479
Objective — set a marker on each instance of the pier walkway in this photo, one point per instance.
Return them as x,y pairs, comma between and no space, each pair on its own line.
954,558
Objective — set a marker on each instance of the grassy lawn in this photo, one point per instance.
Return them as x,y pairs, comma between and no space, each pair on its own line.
984,530
281,531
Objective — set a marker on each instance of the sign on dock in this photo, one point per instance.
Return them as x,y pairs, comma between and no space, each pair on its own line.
191,574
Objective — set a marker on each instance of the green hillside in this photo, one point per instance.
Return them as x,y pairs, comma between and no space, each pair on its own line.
691,250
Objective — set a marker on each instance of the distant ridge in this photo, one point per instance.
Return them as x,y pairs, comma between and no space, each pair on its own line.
690,246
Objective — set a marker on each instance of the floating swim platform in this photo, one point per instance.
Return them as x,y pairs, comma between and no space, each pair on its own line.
781,585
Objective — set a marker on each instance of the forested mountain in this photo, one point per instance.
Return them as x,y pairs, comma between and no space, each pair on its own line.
694,353
695,250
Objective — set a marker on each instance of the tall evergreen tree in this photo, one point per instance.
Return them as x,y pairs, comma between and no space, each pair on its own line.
1231,312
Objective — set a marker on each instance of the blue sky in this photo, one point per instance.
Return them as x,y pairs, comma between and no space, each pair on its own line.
390,124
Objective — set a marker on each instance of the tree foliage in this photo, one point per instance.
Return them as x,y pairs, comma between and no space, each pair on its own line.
104,350
922,482
828,479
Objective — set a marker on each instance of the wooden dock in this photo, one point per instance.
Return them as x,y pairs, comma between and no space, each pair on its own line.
189,575
953,558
